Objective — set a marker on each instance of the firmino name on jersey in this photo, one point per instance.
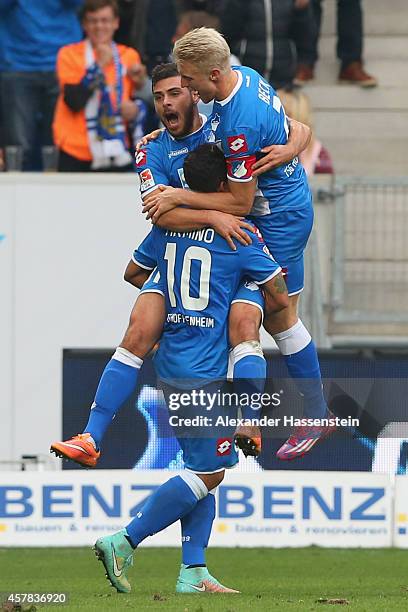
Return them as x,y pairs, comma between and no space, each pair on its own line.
193,320
204,235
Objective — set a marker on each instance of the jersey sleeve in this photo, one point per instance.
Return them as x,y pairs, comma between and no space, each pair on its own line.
151,168
145,255
240,147
256,261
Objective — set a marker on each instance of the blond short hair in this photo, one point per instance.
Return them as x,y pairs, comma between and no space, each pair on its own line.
205,48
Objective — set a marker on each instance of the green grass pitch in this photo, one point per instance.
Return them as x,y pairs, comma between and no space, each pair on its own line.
270,579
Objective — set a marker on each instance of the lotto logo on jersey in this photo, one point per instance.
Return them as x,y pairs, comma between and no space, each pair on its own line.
146,179
224,446
237,144
141,158
240,169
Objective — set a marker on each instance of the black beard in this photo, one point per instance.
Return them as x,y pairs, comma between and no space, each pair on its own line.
188,122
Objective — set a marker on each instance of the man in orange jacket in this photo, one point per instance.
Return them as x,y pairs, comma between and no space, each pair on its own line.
96,78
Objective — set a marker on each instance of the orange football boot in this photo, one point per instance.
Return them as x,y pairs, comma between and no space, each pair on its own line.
79,449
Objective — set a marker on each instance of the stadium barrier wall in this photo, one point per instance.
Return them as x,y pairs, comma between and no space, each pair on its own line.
273,509
65,241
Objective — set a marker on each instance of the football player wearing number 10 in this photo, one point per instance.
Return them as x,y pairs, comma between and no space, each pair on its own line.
247,115
198,275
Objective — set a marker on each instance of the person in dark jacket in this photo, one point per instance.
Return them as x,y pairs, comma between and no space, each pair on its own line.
259,33
148,26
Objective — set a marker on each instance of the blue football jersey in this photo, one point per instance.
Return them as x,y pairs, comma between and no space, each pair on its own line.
251,118
200,275
161,161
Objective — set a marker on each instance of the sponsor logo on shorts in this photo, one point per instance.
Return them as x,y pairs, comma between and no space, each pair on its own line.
224,446
251,286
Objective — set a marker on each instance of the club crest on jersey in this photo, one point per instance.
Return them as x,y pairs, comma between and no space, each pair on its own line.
141,158
237,144
146,179
215,122
224,446
240,168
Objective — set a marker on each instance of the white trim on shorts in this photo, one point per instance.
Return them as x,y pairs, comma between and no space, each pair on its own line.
141,265
147,290
229,467
296,292
268,278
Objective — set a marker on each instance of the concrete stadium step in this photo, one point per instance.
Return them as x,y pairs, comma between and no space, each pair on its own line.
364,143
368,125
379,17
375,47
349,97
390,73
394,332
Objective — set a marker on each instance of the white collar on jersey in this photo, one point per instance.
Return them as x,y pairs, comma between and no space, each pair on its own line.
203,122
234,91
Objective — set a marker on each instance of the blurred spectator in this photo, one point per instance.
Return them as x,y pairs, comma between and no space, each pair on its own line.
32,32
190,20
315,158
259,33
96,78
148,26
349,45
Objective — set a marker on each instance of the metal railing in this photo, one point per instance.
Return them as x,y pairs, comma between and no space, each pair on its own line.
370,259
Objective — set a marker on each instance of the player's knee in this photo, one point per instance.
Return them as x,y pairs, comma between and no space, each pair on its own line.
244,325
137,339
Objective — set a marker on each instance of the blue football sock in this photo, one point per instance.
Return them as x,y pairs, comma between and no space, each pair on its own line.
196,530
249,375
117,383
299,352
169,503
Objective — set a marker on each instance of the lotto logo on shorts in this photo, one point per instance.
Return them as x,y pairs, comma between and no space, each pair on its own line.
141,158
224,446
237,144
146,179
